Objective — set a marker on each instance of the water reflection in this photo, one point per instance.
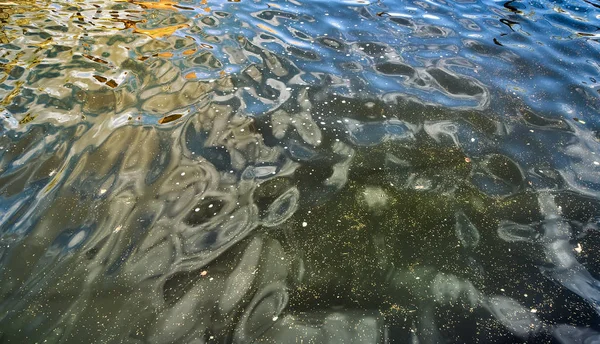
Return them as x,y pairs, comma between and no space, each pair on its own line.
245,172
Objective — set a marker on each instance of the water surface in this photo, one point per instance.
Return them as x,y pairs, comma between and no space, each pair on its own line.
300,172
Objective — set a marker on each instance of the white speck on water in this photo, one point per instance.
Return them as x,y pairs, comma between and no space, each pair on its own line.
182,174
275,318
596,163
533,310
197,209
304,224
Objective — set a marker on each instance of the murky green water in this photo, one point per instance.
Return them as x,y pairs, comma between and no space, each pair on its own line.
299,172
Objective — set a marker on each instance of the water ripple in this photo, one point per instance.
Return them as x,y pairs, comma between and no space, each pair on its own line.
241,171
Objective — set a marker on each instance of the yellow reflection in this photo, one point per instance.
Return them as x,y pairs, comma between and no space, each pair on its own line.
189,52
162,5
10,12
157,5
28,118
161,31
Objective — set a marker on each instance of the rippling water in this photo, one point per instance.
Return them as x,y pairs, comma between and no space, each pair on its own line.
300,172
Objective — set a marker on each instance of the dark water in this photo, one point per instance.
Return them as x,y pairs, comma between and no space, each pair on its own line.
300,172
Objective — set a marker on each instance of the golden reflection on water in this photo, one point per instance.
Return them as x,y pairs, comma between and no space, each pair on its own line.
160,5
112,52
161,31
10,9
